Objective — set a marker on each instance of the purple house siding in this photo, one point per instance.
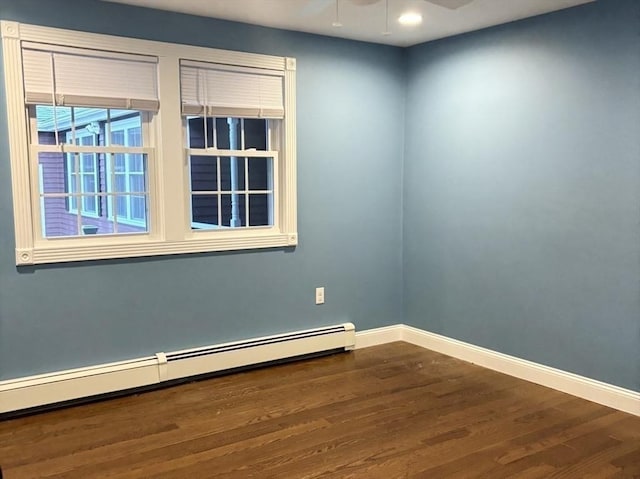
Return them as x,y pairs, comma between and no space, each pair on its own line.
57,222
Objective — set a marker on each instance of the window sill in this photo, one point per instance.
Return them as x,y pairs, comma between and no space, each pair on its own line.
99,249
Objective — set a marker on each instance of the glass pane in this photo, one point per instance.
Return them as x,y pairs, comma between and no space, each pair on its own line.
73,183
47,117
95,228
228,133
89,120
196,133
232,173
255,134
87,140
259,173
136,163
131,212
107,227
80,126
73,188
134,136
90,205
73,165
233,210
117,137
204,212
241,201
88,162
127,226
52,173
119,163
259,209
241,164
56,219
138,208
88,183
126,128
204,173
136,183
122,203
121,183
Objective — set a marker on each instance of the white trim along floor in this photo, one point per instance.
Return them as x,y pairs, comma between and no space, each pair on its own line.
602,393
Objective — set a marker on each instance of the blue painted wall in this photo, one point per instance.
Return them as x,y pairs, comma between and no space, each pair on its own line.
349,158
520,198
522,189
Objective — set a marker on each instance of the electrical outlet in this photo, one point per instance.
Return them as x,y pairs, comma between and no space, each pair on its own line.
320,295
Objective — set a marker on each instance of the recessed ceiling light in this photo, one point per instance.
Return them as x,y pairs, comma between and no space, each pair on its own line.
410,19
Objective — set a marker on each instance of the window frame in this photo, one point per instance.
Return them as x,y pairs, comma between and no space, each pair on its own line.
169,217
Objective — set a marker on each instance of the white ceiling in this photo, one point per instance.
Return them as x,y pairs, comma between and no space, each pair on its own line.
364,19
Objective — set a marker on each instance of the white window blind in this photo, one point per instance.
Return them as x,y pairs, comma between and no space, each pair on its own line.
228,91
89,78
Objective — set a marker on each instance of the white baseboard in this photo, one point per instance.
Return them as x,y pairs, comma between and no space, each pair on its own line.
580,386
375,337
28,392
597,391
44,389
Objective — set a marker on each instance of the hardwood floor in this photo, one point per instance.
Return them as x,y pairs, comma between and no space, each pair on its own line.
392,411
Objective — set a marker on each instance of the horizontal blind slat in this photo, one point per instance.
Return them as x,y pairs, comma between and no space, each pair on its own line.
232,68
90,80
84,52
224,92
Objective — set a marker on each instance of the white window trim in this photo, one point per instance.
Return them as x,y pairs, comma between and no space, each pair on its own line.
169,219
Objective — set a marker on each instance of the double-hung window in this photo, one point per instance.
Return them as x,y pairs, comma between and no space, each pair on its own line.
233,120
75,98
123,147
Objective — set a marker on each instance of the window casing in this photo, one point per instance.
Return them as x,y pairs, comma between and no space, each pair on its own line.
151,158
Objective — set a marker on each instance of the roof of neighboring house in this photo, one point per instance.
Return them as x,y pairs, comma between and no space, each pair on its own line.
61,120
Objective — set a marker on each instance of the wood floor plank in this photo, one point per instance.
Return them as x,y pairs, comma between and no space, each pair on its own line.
389,412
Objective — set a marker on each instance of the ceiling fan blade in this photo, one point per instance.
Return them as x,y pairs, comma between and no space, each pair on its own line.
450,4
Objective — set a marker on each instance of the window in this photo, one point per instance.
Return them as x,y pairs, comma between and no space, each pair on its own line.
90,183
105,166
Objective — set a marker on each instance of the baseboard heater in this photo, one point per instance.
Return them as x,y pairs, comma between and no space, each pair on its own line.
76,384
